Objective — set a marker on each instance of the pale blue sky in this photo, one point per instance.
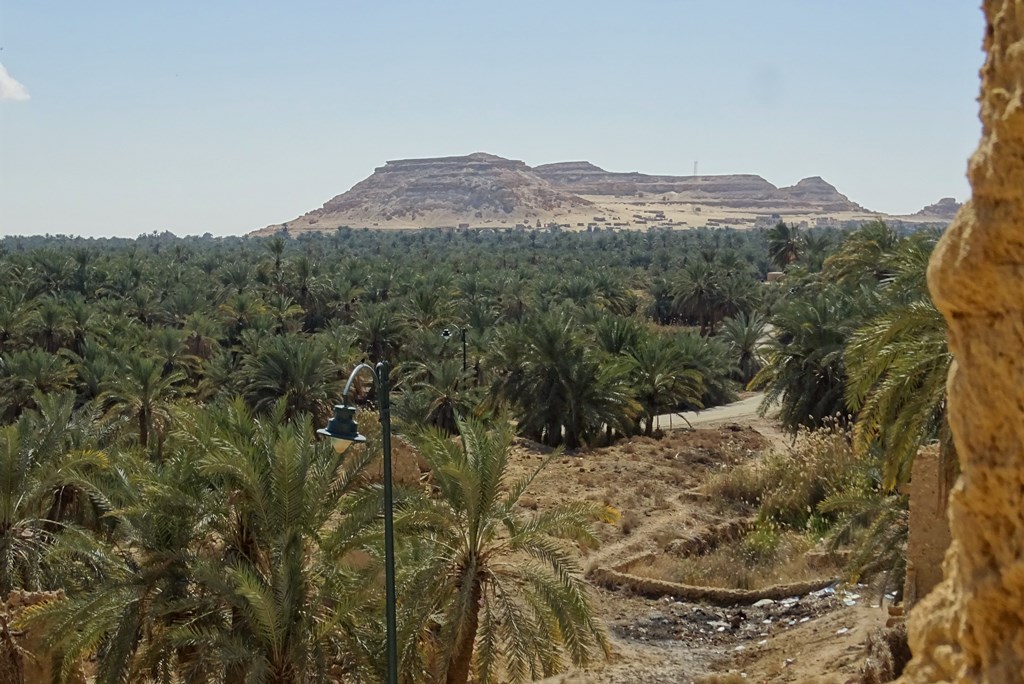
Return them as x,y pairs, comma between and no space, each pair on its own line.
226,116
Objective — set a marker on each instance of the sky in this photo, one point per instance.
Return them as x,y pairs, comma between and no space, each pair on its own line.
122,118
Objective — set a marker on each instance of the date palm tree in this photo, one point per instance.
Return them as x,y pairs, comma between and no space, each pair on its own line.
897,364
507,592
697,294
659,379
142,393
296,509
784,244
446,389
228,560
379,331
561,390
745,336
804,370
292,369
23,374
41,466
864,255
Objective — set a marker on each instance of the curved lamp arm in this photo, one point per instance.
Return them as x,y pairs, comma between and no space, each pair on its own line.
355,371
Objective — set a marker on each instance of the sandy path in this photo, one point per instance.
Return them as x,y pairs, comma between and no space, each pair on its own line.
744,410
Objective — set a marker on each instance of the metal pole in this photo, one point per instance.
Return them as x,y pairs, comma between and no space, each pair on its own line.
389,523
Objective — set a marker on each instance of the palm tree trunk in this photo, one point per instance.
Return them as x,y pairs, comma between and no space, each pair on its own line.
144,427
462,659
554,433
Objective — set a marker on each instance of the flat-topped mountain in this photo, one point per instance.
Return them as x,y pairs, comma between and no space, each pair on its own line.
485,190
445,191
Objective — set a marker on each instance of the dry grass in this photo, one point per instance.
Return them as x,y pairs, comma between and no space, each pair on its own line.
762,558
730,678
786,487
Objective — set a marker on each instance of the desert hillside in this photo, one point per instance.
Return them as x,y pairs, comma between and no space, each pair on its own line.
483,190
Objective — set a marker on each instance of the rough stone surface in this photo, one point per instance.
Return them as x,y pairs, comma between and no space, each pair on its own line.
729,190
947,207
444,191
971,628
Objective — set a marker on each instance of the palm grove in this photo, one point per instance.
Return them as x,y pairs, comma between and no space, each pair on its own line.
159,396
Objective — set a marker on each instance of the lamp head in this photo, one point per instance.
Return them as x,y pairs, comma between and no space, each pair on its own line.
342,428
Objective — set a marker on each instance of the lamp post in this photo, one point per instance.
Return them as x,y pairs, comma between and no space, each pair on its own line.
446,333
343,431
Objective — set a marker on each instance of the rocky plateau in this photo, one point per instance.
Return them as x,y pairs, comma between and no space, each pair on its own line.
485,190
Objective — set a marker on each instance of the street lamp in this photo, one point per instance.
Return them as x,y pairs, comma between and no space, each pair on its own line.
343,431
447,334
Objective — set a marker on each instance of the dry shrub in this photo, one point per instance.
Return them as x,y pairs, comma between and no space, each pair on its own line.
629,521
887,655
787,487
764,557
740,485
818,464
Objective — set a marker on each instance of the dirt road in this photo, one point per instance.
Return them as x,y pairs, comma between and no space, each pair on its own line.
743,410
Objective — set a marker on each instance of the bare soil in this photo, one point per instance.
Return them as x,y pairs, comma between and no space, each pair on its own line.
656,485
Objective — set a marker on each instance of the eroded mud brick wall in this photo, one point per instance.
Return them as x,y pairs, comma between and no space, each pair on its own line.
971,629
929,529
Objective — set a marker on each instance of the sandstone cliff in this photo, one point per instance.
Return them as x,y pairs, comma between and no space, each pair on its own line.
945,208
816,192
444,191
734,190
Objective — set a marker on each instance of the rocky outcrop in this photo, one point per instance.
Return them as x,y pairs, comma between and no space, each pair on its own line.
735,190
971,628
945,208
583,178
816,192
444,191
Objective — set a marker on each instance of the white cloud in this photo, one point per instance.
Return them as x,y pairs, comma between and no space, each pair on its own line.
10,89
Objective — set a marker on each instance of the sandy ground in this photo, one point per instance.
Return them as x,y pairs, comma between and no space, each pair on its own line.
613,211
745,411
655,483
